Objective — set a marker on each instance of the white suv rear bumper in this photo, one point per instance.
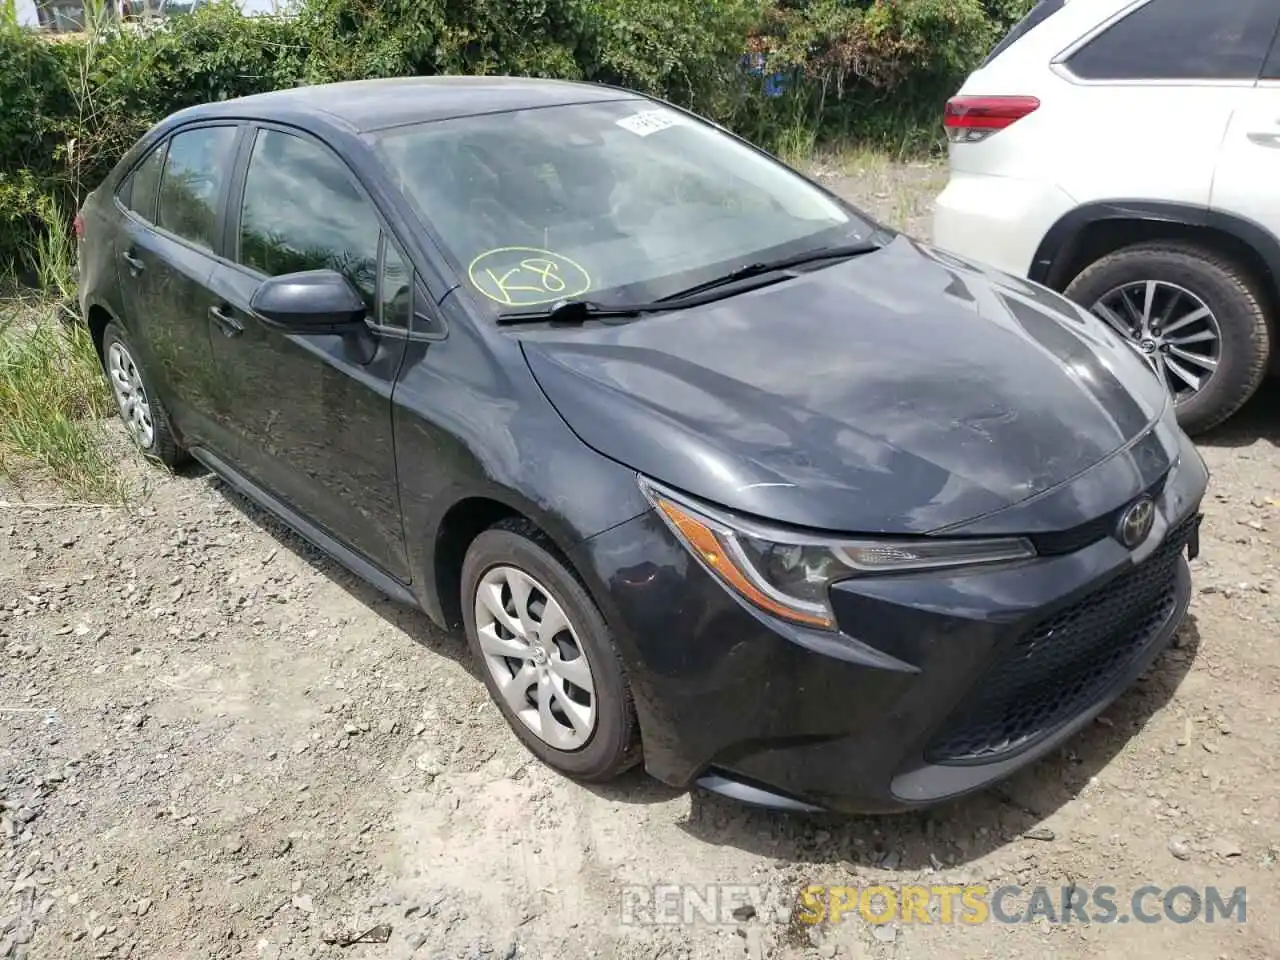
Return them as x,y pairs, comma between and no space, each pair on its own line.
998,221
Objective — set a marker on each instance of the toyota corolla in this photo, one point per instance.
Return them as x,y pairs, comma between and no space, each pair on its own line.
716,473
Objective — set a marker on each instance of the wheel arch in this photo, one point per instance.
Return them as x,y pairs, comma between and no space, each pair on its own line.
1094,230
97,319
465,519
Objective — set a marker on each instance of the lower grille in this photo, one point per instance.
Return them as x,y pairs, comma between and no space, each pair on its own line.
1065,664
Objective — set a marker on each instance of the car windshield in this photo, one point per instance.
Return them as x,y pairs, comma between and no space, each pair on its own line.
621,201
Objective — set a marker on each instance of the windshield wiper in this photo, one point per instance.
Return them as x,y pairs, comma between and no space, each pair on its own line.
841,252
575,311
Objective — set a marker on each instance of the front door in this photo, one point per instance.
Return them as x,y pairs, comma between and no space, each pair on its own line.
1247,181
165,258
309,415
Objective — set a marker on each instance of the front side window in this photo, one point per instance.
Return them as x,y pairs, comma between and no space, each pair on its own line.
195,171
301,211
139,191
617,201
1182,40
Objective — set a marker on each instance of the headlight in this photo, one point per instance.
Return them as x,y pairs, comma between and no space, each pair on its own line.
788,574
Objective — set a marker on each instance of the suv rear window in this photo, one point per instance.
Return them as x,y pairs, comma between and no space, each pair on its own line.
1041,12
1182,40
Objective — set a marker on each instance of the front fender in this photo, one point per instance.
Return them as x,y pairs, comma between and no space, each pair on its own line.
471,426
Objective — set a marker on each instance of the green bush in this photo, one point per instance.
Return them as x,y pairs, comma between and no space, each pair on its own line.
872,70
686,52
876,70
35,104
1005,13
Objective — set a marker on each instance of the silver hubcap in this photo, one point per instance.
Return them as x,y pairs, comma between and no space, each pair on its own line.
1172,327
535,658
131,395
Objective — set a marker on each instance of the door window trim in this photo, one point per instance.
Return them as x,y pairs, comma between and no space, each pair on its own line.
234,210
219,213
379,297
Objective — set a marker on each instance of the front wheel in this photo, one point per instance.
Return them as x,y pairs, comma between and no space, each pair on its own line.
1195,314
545,654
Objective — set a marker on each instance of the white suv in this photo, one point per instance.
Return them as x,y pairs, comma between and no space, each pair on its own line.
1127,153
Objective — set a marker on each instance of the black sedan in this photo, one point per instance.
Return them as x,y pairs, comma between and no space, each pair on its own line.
715,472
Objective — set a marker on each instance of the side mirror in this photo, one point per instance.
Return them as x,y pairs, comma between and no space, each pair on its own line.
313,301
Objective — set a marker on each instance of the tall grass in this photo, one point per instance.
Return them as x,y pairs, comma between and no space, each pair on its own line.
53,394
53,255
52,398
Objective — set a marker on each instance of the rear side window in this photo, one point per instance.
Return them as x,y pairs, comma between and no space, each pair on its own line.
1272,69
1041,12
191,185
301,211
1182,40
139,191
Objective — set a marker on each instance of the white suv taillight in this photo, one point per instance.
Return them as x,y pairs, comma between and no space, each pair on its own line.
972,119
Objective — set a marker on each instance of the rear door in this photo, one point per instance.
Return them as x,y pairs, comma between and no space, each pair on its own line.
173,203
1247,182
308,416
1152,95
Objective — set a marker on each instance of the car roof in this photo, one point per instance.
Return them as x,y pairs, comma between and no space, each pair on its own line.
363,105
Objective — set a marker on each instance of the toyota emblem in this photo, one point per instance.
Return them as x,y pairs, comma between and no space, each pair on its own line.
1135,522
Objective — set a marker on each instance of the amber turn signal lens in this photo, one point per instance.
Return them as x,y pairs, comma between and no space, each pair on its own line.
704,542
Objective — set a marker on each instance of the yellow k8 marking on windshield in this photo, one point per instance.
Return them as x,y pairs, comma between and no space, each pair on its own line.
527,276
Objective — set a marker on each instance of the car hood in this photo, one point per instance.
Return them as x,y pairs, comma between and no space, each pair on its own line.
900,392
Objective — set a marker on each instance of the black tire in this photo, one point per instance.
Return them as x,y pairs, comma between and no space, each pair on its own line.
1229,290
163,447
614,745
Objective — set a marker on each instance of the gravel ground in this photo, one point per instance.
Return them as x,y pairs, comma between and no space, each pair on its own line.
215,743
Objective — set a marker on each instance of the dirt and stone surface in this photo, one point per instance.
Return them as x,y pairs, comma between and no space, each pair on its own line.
216,743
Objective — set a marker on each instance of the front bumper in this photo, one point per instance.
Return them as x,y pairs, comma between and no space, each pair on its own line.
936,685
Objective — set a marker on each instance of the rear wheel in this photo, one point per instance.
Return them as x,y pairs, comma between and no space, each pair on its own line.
144,416
545,654
1195,314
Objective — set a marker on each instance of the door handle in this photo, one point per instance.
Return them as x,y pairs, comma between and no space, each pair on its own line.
1264,139
230,326
136,266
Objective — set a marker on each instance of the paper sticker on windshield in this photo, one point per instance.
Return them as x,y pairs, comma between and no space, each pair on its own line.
650,121
527,276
